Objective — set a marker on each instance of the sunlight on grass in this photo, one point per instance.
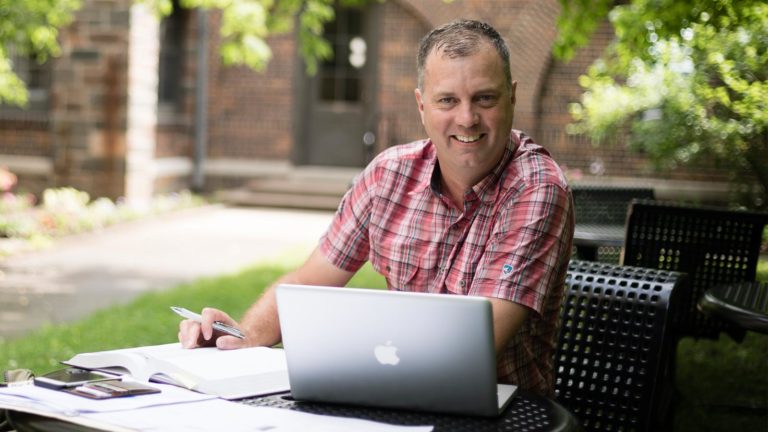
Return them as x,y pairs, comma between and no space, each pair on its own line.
148,319
762,270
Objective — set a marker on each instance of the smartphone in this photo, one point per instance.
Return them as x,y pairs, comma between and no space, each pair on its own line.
70,377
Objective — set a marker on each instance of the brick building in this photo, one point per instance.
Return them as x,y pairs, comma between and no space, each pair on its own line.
118,113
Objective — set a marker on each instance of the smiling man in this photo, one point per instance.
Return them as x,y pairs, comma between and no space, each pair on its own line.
476,209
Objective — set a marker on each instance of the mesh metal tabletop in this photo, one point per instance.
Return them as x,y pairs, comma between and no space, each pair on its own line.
527,412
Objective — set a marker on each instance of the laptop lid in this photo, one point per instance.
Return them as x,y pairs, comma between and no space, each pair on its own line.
429,352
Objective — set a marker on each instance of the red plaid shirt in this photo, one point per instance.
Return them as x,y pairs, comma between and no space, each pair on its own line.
511,241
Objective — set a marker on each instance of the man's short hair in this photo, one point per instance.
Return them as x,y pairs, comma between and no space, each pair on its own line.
461,38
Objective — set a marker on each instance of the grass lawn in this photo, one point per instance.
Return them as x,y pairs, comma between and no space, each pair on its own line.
723,385
147,320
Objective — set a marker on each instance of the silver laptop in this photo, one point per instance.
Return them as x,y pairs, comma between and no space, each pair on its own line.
427,352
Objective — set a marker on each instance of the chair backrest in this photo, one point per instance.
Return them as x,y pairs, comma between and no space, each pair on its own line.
615,356
712,245
605,205
602,205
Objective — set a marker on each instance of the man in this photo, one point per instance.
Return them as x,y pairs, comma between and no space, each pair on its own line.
476,209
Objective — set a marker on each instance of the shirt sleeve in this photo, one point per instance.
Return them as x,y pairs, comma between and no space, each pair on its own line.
532,237
346,242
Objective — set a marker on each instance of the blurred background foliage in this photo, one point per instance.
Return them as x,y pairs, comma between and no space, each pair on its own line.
682,81
30,28
27,224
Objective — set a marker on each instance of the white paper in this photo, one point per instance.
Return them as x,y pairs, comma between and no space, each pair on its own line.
178,409
38,398
221,415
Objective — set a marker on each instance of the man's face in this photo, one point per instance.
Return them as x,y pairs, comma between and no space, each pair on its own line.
467,110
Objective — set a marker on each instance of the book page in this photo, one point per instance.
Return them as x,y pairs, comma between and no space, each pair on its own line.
226,373
131,363
230,374
212,364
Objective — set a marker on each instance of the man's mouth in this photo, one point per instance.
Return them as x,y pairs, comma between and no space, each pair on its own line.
468,138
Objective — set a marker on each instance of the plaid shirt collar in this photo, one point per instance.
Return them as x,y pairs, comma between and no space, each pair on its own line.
487,189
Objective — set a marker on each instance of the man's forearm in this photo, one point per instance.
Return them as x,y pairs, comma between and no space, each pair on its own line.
508,318
260,322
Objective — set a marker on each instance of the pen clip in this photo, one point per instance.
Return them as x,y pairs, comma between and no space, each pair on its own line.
218,325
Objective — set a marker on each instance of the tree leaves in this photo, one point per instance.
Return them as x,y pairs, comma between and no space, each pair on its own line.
686,79
31,28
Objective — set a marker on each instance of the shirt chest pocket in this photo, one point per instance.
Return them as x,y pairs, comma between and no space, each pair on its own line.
406,266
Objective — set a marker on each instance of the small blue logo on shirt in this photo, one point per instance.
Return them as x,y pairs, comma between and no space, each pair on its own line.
506,270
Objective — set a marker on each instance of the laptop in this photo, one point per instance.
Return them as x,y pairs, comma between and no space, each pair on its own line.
389,349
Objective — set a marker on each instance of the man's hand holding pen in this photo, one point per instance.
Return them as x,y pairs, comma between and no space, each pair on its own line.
210,328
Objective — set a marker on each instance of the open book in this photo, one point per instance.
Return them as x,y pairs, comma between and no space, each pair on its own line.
230,374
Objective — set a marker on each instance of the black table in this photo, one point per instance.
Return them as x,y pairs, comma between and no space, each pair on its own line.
744,303
527,412
588,238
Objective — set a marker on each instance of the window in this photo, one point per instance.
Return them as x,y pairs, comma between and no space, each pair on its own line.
341,75
37,78
173,30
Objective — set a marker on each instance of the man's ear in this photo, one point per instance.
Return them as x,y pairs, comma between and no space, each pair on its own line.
419,103
513,95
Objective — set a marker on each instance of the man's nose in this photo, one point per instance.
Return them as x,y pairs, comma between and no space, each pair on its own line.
467,116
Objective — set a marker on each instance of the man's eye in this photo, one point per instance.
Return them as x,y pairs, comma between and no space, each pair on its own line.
486,100
447,101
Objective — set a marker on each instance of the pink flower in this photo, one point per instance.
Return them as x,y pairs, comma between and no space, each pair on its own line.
7,179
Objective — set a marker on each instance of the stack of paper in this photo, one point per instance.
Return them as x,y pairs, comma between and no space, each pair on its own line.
177,409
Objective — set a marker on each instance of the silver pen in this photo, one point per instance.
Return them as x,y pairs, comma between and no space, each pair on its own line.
217,325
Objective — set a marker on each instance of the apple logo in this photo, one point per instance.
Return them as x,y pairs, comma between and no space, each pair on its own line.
386,354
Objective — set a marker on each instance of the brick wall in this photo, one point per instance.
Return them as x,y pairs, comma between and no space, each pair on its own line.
401,31
25,144
88,99
251,113
25,137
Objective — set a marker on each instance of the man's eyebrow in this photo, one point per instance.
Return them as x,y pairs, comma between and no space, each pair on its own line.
495,90
442,94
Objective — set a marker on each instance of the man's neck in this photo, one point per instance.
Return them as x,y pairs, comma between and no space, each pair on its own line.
455,184
454,190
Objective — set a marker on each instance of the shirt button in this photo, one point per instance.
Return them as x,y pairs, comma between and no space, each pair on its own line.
462,283
388,268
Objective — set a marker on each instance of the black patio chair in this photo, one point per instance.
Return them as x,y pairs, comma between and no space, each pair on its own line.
615,356
714,246
602,209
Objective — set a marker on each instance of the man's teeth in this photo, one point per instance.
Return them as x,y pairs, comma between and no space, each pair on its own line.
467,139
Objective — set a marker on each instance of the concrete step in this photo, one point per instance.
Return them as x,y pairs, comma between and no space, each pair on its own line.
298,186
245,197
316,188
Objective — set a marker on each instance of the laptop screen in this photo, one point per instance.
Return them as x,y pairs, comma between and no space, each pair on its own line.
431,352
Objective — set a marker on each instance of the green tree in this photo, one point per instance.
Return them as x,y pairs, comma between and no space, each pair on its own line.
683,81
30,28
